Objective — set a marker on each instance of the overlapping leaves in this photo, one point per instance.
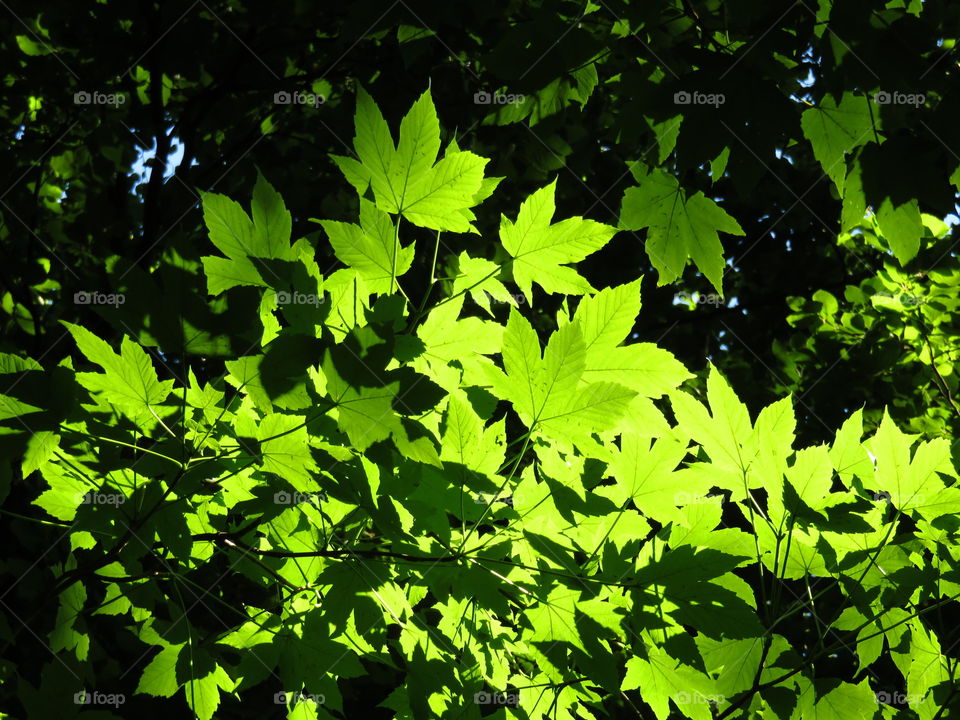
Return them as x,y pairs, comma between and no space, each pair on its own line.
445,500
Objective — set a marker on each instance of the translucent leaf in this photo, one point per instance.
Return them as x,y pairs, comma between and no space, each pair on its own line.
129,378
368,247
834,130
542,251
678,227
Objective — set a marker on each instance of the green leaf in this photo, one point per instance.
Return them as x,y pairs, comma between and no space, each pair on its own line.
454,348
272,224
203,693
902,227
244,240
914,484
466,442
733,661
16,364
479,276
355,173
662,678
404,178
365,415
225,273
678,227
40,448
646,475
846,700
29,46
286,450
564,361
236,235
11,407
375,148
438,199
369,247
128,380
811,476
643,367
542,251
723,607
685,564
159,677
65,493
724,432
834,130
595,407
553,618
606,319
417,149
522,363
848,456
66,635
772,439
547,393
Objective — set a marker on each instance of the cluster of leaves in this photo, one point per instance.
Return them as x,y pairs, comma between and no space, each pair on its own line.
596,85
462,497
896,327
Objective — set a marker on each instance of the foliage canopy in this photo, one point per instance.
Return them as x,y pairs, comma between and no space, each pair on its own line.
359,447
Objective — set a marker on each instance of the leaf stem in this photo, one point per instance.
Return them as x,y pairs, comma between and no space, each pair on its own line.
506,480
396,250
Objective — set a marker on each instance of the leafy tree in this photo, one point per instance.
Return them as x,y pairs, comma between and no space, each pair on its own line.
292,423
